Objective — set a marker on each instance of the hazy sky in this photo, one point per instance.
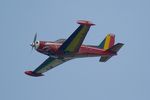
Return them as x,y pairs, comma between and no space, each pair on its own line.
124,77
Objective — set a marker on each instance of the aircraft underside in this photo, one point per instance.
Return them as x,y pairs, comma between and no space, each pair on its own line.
63,50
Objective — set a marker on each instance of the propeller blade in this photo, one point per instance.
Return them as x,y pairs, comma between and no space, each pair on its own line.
35,38
32,47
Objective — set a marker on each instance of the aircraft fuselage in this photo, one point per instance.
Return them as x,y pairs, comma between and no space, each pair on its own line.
51,49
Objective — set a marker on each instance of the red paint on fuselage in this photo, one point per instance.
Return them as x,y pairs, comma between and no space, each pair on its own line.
48,48
51,48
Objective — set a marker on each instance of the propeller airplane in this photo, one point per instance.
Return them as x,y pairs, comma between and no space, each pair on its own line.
63,50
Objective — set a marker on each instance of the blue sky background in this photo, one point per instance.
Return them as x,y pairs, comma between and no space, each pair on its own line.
124,77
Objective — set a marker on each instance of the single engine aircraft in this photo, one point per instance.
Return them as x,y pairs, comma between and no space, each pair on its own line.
63,50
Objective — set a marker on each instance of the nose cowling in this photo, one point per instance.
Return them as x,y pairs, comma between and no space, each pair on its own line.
32,44
35,44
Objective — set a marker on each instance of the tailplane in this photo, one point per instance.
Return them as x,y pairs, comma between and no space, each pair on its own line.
114,49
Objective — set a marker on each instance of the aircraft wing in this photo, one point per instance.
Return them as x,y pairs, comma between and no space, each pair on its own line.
48,64
73,43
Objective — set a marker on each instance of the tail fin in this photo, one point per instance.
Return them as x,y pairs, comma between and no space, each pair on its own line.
108,42
114,49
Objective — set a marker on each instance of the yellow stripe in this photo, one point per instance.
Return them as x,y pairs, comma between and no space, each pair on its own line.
77,39
107,42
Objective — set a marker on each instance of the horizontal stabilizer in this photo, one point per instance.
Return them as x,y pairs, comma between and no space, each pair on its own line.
104,58
114,49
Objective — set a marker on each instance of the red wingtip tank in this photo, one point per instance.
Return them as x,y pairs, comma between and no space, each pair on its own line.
31,73
84,22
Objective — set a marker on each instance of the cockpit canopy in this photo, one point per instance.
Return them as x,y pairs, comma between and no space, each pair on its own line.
60,40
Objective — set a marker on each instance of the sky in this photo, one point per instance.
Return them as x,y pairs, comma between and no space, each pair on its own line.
123,77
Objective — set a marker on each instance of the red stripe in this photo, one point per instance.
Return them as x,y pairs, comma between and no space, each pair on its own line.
112,41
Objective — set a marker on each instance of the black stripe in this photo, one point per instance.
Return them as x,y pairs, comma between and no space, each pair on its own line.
74,34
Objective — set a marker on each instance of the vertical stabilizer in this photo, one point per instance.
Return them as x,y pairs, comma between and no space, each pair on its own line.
108,42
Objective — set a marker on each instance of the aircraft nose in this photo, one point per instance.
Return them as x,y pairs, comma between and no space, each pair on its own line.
31,44
35,44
